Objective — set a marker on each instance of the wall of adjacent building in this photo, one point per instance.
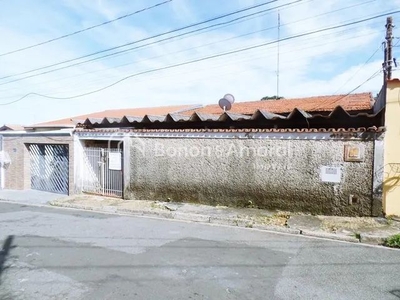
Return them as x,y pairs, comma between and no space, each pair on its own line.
272,173
17,175
391,183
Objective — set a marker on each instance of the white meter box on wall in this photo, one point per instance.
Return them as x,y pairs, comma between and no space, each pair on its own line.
331,174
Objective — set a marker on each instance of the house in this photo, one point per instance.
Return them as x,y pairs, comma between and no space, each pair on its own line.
13,127
267,154
321,154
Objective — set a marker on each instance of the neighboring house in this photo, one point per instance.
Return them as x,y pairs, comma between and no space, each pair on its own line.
42,155
390,100
114,113
11,127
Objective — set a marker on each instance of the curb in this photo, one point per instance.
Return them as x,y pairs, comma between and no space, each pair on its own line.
331,236
277,229
192,217
166,215
234,222
372,239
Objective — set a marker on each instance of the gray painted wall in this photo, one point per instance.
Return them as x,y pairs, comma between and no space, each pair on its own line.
272,174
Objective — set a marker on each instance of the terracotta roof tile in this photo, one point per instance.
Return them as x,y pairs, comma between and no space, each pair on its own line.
120,113
352,102
251,130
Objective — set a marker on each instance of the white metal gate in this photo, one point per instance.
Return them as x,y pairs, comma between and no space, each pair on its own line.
49,167
102,171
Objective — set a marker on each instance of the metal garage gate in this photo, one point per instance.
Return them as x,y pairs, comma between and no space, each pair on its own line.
49,168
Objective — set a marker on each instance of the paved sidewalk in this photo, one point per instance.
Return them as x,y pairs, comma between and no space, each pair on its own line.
29,196
365,230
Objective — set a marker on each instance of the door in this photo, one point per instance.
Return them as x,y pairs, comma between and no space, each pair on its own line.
102,171
49,168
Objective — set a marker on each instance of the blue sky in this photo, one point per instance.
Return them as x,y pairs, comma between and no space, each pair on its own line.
331,62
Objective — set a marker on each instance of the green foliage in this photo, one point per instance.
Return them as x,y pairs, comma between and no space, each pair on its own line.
271,98
393,241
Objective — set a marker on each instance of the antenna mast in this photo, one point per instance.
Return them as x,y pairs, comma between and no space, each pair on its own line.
277,58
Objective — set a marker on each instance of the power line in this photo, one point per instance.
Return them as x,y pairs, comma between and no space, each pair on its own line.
145,39
85,29
152,58
167,39
142,46
184,35
354,89
212,27
184,50
215,66
238,36
199,60
359,69
223,65
126,50
364,82
227,63
326,13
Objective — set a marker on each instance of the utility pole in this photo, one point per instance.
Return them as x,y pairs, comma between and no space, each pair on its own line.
387,65
277,59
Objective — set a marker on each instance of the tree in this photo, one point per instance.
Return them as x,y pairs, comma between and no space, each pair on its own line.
271,98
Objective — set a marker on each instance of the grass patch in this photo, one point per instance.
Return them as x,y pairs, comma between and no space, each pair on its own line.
279,219
393,241
333,223
157,205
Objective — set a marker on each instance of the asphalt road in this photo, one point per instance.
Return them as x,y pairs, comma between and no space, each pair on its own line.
53,253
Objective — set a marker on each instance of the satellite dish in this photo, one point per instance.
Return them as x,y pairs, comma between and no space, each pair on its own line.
230,98
226,102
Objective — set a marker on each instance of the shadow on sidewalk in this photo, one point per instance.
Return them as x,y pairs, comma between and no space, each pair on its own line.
4,253
396,293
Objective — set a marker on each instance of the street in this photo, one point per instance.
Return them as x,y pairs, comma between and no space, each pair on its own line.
52,253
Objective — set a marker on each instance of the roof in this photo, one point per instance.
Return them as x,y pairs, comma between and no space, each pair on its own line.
352,102
13,127
297,118
119,113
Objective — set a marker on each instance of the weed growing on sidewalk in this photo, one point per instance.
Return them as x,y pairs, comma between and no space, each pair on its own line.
393,241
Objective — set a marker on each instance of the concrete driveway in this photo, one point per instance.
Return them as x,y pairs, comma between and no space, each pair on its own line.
52,253
29,196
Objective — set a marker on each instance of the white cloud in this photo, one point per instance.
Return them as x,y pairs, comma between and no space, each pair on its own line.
183,11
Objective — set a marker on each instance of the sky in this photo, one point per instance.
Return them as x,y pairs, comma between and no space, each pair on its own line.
327,62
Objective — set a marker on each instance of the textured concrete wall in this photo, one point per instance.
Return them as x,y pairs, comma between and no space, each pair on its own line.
273,174
18,174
